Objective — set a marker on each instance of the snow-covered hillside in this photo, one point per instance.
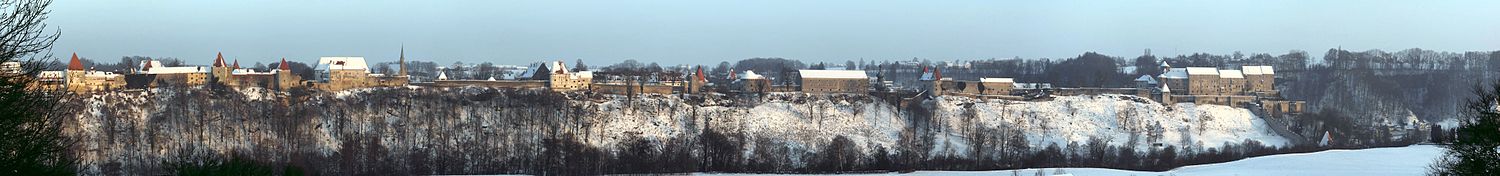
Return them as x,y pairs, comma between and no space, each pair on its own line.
1117,119
475,130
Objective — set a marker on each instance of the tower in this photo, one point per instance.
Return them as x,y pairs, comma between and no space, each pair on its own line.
222,70
285,80
402,62
75,75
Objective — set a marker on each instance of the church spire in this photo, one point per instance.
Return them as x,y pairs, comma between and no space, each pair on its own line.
402,61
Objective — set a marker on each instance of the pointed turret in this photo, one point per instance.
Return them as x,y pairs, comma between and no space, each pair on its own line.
236,64
284,66
74,64
147,66
219,60
699,76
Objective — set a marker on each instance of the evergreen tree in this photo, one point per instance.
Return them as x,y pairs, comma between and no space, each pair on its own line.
1474,151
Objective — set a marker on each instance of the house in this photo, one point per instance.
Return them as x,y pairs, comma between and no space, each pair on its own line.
834,81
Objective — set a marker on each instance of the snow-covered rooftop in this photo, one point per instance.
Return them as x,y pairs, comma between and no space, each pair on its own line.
101,74
1146,78
1202,71
246,71
1231,74
155,67
1258,70
833,74
343,63
998,80
1175,73
583,74
51,74
750,74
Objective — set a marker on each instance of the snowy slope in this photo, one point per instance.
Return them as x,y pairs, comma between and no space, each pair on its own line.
1113,118
1410,160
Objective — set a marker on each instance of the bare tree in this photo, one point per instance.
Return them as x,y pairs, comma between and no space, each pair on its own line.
29,127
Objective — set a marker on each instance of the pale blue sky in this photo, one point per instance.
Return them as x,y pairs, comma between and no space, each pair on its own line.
706,32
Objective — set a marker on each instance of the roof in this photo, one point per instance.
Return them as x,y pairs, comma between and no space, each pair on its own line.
999,80
219,60
442,76
1175,73
51,74
1258,70
1146,78
101,74
283,65
1231,74
751,75
74,64
833,74
582,74
1202,71
1164,88
557,67
342,63
155,67
247,71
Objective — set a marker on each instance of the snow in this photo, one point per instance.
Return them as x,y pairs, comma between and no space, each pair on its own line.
1175,73
1146,78
1113,118
751,75
342,63
838,74
998,80
1202,71
1409,160
1231,74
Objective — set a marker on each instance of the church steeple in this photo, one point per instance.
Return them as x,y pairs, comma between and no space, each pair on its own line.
402,61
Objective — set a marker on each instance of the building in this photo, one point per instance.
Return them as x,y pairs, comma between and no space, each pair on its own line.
1203,81
342,73
1260,79
754,83
285,79
152,74
1145,86
834,81
1231,82
933,83
1176,78
50,81
82,80
560,79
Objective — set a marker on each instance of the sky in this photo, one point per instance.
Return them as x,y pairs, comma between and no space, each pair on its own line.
708,32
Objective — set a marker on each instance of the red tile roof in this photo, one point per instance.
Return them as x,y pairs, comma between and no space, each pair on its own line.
74,64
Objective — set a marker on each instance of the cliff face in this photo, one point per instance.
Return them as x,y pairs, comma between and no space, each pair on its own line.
475,131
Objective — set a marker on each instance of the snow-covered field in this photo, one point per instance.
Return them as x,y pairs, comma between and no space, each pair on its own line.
1410,160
